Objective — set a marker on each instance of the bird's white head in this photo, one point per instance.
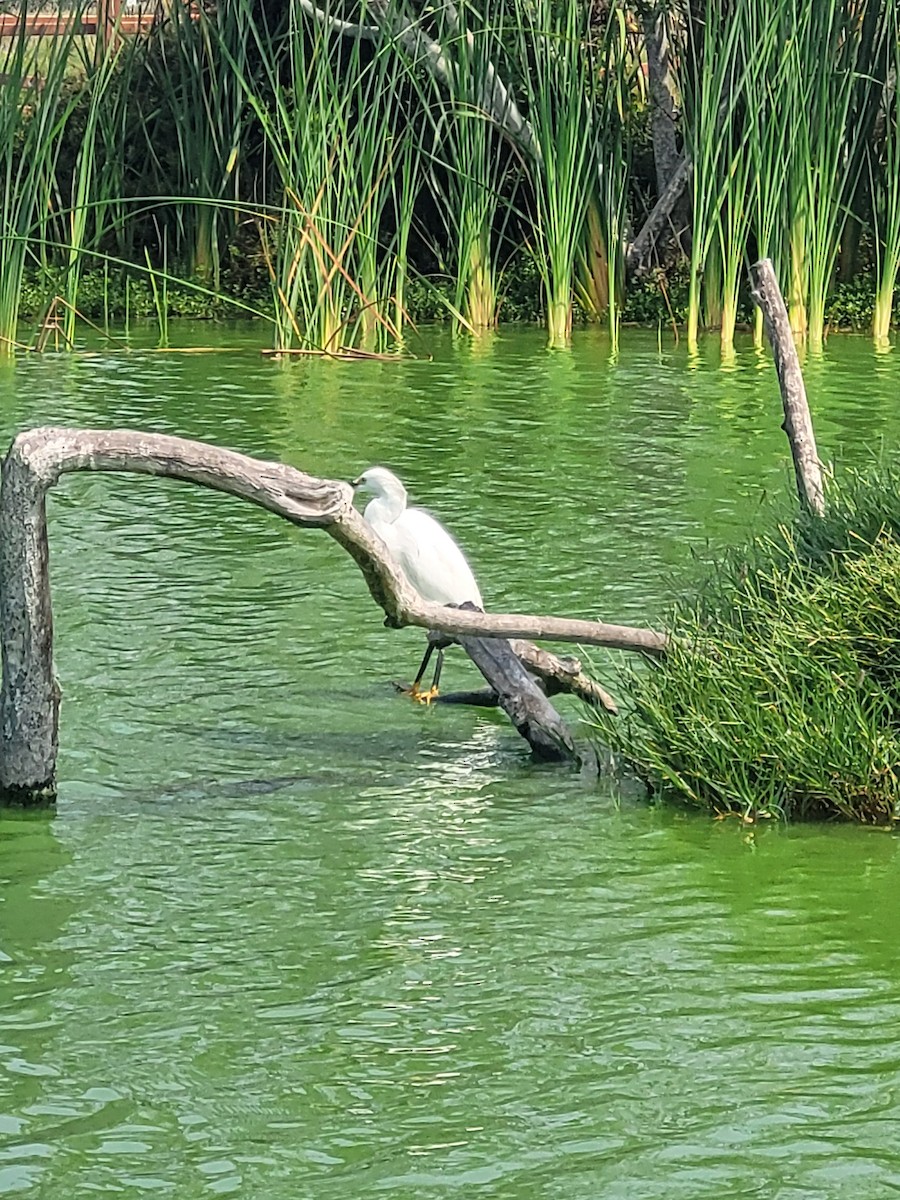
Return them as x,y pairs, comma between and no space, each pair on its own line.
382,484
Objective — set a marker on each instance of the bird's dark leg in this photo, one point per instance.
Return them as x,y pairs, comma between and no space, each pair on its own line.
436,678
432,693
423,667
436,641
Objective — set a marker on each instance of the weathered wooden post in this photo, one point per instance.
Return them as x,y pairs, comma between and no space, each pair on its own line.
29,699
797,420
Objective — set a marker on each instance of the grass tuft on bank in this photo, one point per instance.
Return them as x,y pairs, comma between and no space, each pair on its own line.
781,695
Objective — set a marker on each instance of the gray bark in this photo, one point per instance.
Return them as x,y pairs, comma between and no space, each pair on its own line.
797,419
673,168
29,703
638,253
666,156
563,675
29,697
557,675
532,714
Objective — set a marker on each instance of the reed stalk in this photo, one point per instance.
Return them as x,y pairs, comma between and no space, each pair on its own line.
769,136
405,184
196,62
87,203
714,91
552,46
34,112
616,78
327,115
837,47
886,190
469,164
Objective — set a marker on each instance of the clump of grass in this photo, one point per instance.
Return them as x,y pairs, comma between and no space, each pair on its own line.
781,693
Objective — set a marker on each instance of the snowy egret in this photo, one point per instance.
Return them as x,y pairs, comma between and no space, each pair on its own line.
425,552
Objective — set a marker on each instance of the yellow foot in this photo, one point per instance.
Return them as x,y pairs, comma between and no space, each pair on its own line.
416,693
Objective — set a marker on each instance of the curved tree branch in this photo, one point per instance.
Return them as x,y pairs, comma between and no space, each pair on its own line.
29,697
494,97
351,29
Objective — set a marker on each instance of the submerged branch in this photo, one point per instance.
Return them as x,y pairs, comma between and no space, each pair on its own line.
563,675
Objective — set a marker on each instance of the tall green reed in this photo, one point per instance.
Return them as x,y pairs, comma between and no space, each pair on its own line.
194,64
830,162
886,190
769,135
470,164
327,114
615,69
89,199
779,101
713,87
836,45
37,98
551,45
118,182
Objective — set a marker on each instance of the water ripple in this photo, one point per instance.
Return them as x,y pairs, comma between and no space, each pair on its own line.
288,935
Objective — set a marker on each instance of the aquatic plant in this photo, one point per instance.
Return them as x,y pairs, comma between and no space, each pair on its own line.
838,50
344,154
89,199
551,47
195,63
470,164
780,102
886,192
713,89
600,267
328,123
781,693
37,98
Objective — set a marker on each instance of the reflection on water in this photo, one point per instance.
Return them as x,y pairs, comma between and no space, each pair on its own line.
288,935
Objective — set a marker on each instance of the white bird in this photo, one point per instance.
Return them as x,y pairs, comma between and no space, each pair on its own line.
425,552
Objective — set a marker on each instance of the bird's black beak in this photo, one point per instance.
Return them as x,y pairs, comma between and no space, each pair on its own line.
355,483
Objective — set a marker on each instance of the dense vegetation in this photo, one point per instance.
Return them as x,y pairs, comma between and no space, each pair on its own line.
341,169
781,695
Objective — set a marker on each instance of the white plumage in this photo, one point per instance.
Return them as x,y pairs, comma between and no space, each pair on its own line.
430,558
426,553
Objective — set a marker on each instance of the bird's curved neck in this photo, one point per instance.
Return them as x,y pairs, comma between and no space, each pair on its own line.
387,504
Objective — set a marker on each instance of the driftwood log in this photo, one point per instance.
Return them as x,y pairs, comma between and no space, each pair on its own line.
29,699
797,419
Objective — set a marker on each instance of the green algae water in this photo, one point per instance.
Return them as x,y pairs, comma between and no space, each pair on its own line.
287,935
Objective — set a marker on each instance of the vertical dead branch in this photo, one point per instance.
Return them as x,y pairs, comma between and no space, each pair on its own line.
797,420
29,703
